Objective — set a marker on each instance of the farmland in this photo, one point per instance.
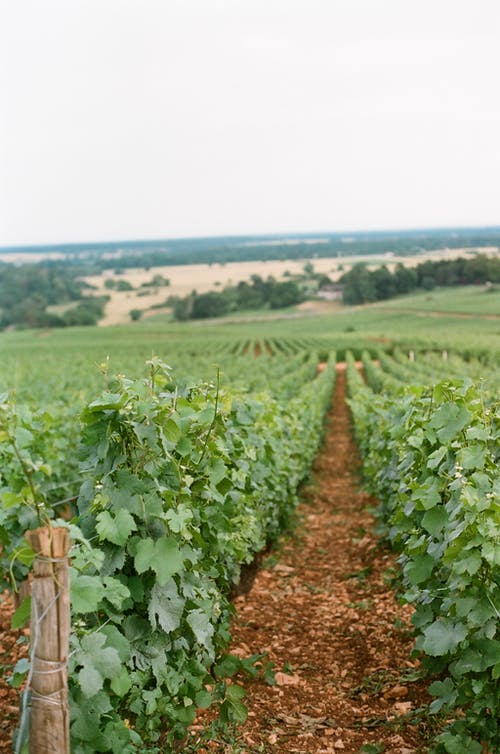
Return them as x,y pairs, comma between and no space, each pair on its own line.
226,437
207,277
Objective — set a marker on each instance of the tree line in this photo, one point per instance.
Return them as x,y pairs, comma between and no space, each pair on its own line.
362,285
256,294
28,291
221,250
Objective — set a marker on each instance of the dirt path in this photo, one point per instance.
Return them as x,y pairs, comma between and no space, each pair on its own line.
328,619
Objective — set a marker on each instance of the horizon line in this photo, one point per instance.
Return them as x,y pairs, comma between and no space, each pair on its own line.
274,234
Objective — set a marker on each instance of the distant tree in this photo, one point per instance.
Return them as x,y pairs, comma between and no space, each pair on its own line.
285,294
324,281
358,286
249,296
135,314
308,269
428,283
157,281
383,282
88,312
405,279
123,285
181,308
209,304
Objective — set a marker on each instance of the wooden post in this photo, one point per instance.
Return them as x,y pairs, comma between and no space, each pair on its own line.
50,630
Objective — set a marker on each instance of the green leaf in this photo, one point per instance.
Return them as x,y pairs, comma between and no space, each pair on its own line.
22,614
144,555
234,692
186,715
122,683
459,744
446,693
171,476
217,471
482,654
473,456
227,666
167,559
99,662
19,673
449,419
93,646
11,499
428,493
172,431
435,520
24,438
419,568
443,636
178,517
166,606
203,699
201,626
115,529
106,402
115,639
90,680
145,432
477,433
491,553
24,554
115,591
184,447
434,459
468,562
86,592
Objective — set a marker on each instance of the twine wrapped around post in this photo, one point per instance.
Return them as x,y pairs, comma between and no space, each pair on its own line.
50,630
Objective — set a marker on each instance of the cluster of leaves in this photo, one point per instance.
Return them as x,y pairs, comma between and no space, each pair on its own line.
182,485
37,463
431,454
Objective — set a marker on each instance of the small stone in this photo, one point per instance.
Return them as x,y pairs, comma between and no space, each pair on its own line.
397,692
285,679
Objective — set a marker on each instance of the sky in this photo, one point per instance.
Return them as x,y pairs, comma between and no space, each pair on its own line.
127,119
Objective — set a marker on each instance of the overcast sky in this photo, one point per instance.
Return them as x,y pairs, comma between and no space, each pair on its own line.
145,119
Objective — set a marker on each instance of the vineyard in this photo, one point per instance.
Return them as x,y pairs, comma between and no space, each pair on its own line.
174,472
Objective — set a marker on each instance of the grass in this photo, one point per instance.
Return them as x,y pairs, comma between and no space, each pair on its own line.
470,299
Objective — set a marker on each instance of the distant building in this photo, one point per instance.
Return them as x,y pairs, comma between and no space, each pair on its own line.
330,293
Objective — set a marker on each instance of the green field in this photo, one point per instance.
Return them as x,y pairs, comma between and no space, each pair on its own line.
468,299
49,363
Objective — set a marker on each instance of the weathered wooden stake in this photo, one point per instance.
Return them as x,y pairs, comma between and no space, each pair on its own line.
50,629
